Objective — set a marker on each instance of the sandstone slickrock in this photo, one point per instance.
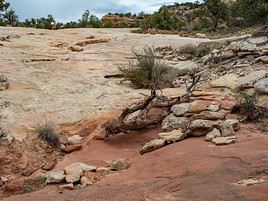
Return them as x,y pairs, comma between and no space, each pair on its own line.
224,140
213,134
152,145
184,67
173,136
226,129
55,176
249,80
173,122
208,115
234,123
180,109
261,86
67,186
76,139
227,81
200,127
121,164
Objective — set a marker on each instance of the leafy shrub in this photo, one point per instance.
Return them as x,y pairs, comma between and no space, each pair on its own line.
147,71
47,133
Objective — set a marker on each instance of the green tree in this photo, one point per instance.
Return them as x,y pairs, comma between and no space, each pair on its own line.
89,20
11,17
217,11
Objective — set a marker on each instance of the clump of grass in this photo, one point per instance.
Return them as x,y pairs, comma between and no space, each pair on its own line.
47,133
147,71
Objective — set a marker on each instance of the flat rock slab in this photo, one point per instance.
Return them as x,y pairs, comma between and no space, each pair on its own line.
152,145
224,140
249,80
227,81
173,136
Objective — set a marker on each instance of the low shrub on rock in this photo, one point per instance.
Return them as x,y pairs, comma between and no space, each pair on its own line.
47,133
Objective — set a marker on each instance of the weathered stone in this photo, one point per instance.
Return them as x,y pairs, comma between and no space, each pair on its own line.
180,109
227,81
152,145
103,170
213,107
249,80
85,182
173,122
184,67
226,129
213,134
73,178
76,139
55,176
261,86
251,181
234,123
258,40
66,187
72,148
263,59
198,106
208,115
200,127
121,164
224,140
173,136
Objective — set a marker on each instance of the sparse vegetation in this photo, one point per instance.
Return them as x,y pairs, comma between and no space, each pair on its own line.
147,70
47,133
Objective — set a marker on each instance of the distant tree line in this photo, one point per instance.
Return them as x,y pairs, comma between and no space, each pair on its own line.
210,13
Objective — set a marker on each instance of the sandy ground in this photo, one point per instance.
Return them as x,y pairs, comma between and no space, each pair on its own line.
71,86
191,170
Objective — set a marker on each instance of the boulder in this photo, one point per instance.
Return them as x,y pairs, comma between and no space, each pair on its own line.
103,170
76,139
261,86
224,140
227,81
226,129
213,134
234,123
75,170
55,177
180,109
173,122
200,127
184,67
152,145
249,80
173,136
66,187
121,164
208,115
72,148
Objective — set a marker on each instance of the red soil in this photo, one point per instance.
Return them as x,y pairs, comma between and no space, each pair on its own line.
191,170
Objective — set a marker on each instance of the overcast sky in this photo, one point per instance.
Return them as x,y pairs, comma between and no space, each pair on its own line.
66,10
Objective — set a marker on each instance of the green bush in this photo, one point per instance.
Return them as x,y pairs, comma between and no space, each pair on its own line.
147,71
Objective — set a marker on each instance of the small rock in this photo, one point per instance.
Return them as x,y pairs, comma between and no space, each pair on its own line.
66,187
152,145
103,170
261,86
227,81
50,165
224,140
76,139
234,123
251,181
200,127
198,106
180,109
213,134
226,129
258,40
72,148
208,115
173,122
55,176
85,182
173,136
213,107
122,164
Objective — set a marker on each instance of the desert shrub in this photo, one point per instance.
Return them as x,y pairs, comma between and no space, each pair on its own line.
249,110
47,133
189,51
147,71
